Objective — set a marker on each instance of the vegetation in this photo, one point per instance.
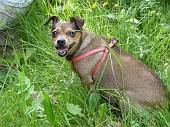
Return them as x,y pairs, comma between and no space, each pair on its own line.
42,91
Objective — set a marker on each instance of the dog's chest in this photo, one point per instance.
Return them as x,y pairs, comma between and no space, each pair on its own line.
85,66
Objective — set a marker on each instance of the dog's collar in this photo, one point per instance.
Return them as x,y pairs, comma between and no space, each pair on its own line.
70,56
105,51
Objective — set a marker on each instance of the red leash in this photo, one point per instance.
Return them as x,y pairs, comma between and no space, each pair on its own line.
105,51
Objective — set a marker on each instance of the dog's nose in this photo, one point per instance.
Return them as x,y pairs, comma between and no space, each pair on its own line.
61,43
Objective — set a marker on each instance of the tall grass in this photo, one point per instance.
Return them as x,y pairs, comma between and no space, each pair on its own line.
43,91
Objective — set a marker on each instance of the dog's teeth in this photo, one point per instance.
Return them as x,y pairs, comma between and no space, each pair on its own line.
62,52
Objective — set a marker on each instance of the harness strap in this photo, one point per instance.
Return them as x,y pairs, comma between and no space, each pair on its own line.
105,51
80,57
99,63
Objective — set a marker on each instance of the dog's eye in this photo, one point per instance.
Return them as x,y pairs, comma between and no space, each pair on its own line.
55,33
71,33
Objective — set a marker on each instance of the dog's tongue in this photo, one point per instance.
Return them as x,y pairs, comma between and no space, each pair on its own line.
62,52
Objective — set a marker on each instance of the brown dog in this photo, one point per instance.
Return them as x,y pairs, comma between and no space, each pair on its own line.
115,73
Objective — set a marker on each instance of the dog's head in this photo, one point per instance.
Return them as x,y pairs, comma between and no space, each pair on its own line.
66,35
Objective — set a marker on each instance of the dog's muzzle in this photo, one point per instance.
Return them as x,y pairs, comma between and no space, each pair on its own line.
63,49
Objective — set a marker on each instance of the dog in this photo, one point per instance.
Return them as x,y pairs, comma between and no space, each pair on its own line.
118,76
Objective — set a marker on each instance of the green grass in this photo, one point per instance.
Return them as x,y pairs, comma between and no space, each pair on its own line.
143,29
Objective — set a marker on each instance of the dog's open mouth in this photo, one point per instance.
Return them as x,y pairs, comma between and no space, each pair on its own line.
63,50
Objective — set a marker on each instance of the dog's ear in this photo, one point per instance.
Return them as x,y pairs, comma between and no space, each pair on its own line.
54,19
78,22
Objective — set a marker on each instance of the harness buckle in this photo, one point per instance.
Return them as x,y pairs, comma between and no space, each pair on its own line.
113,42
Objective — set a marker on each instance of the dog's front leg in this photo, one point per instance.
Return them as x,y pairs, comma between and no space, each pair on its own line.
93,96
88,81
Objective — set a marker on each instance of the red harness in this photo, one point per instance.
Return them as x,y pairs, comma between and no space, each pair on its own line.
105,51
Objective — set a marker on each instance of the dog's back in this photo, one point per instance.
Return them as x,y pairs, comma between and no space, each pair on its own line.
136,81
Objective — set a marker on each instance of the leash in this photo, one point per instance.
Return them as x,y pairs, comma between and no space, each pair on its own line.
105,51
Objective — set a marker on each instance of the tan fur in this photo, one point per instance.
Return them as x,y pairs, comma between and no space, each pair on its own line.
135,82
120,77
